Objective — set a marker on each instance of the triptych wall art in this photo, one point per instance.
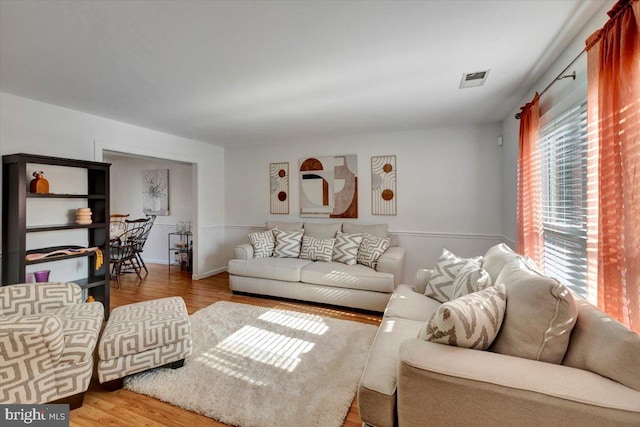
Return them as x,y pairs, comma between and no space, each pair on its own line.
279,178
383,185
329,186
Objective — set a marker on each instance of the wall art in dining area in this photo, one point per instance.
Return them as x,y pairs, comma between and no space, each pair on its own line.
155,191
329,186
279,187
383,185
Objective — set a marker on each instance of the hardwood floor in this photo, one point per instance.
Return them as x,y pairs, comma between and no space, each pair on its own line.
125,408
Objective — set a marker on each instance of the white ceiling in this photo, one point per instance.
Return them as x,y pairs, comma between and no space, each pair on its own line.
265,71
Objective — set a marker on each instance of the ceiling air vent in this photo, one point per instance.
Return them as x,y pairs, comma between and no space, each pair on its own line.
473,79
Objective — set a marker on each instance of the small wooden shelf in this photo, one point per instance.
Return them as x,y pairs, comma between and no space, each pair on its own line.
91,282
39,228
65,196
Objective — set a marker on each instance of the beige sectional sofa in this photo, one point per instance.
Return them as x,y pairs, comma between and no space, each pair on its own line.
595,380
335,283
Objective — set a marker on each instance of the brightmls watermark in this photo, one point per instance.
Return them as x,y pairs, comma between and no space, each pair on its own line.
34,415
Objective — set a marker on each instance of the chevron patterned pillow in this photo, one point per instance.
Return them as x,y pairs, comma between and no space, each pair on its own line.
371,249
287,243
471,321
345,249
444,273
263,243
471,278
317,249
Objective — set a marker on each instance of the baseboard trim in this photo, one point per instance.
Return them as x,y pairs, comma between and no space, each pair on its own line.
209,273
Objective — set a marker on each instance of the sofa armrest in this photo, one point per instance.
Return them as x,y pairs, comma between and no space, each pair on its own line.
32,298
31,348
392,261
243,251
423,276
512,390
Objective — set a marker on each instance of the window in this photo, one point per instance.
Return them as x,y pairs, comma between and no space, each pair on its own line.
563,162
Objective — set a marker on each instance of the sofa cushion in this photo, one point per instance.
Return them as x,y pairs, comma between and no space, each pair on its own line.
371,248
284,226
602,345
540,315
347,276
345,249
444,274
496,258
471,321
285,269
263,243
471,278
288,243
409,304
322,231
317,249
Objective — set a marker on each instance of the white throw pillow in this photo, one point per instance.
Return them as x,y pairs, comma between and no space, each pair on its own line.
287,243
263,243
317,249
345,248
471,278
444,273
371,249
471,321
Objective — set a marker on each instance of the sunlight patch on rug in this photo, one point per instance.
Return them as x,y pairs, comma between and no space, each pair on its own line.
255,366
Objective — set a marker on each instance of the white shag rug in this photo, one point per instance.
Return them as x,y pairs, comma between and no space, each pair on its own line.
255,366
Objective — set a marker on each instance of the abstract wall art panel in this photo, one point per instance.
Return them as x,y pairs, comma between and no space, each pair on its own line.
383,185
155,192
279,187
329,187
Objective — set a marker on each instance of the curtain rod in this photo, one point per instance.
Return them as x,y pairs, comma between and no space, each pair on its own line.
561,76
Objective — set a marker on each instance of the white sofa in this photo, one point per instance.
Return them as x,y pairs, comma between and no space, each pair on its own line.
411,382
334,283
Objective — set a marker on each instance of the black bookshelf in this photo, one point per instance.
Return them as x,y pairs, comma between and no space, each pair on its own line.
15,181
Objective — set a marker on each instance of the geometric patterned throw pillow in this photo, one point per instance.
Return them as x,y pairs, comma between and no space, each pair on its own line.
287,243
444,274
371,249
345,249
317,249
263,243
471,278
471,321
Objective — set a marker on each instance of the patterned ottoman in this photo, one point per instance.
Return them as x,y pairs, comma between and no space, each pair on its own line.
143,336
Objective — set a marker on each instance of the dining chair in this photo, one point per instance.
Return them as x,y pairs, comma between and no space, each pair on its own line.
122,253
117,224
145,224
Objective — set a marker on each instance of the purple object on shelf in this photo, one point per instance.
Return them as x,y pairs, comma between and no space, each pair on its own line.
42,276
29,278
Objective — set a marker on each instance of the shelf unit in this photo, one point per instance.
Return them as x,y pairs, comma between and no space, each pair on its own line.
14,221
181,246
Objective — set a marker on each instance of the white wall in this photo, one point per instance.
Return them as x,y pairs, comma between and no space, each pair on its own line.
449,188
126,197
28,126
560,97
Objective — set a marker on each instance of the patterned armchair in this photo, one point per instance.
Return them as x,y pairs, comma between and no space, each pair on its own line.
47,340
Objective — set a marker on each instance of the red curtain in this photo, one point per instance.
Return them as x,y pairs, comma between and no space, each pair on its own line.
529,240
614,125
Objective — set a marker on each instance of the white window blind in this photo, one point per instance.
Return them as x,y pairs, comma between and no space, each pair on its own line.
563,159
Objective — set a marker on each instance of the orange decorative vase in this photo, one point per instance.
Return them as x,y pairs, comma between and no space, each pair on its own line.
39,184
